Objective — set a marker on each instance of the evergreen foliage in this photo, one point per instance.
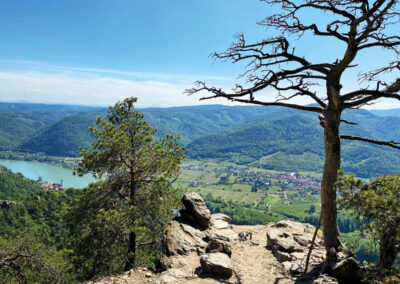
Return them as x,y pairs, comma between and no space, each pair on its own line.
33,239
378,202
136,197
14,186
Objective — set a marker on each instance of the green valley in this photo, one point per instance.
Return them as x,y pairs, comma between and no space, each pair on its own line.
269,138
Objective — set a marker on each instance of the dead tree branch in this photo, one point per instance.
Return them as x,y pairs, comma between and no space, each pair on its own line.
391,143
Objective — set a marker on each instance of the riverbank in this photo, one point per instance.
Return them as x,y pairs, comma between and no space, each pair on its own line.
64,162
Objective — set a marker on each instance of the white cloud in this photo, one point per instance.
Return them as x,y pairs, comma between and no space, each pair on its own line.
75,85
40,82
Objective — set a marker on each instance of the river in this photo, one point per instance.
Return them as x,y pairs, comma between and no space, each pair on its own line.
33,170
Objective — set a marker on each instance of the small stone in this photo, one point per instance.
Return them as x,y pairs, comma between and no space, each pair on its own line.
287,265
220,224
148,274
216,245
298,255
295,268
177,273
165,279
289,224
281,256
223,234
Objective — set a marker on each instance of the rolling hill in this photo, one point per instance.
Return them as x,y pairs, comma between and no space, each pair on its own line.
295,143
20,121
64,137
271,138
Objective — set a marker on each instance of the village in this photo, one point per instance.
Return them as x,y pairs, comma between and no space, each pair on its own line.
49,185
262,180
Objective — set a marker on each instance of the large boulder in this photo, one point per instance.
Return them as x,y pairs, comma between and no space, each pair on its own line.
216,263
346,269
180,239
196,207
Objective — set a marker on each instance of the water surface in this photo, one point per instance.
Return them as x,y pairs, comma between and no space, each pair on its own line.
33,169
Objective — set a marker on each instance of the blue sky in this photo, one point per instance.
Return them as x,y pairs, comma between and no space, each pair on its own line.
98,52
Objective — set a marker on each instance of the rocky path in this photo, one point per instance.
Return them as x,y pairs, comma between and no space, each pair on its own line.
203,248
253,262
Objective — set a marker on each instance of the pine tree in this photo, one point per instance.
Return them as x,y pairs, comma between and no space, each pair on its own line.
135,198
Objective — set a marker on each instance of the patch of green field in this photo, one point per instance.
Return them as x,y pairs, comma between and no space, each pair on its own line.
227,195
296,208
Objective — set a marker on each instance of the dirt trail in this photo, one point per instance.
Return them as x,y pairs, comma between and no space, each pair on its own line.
253,262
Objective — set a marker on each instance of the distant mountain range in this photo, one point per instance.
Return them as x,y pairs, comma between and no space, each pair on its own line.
268,137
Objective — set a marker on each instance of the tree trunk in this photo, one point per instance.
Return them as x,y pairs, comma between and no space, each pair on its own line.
387,250
131,254
130,262
329,177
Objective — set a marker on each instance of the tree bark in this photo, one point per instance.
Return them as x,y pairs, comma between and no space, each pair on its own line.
387,250
131,254
328,192
130,262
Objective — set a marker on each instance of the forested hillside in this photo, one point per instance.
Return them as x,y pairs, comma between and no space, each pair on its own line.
267,137
49,137
20,121
14,186
62,138
295,143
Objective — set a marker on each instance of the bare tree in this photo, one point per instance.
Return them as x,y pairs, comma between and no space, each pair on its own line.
273,64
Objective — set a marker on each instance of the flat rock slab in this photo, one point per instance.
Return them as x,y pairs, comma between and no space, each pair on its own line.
221,216
227,235
283,241
216,263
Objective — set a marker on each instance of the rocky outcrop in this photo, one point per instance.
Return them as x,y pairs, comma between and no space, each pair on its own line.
198,251
289,242
197,240
182,239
